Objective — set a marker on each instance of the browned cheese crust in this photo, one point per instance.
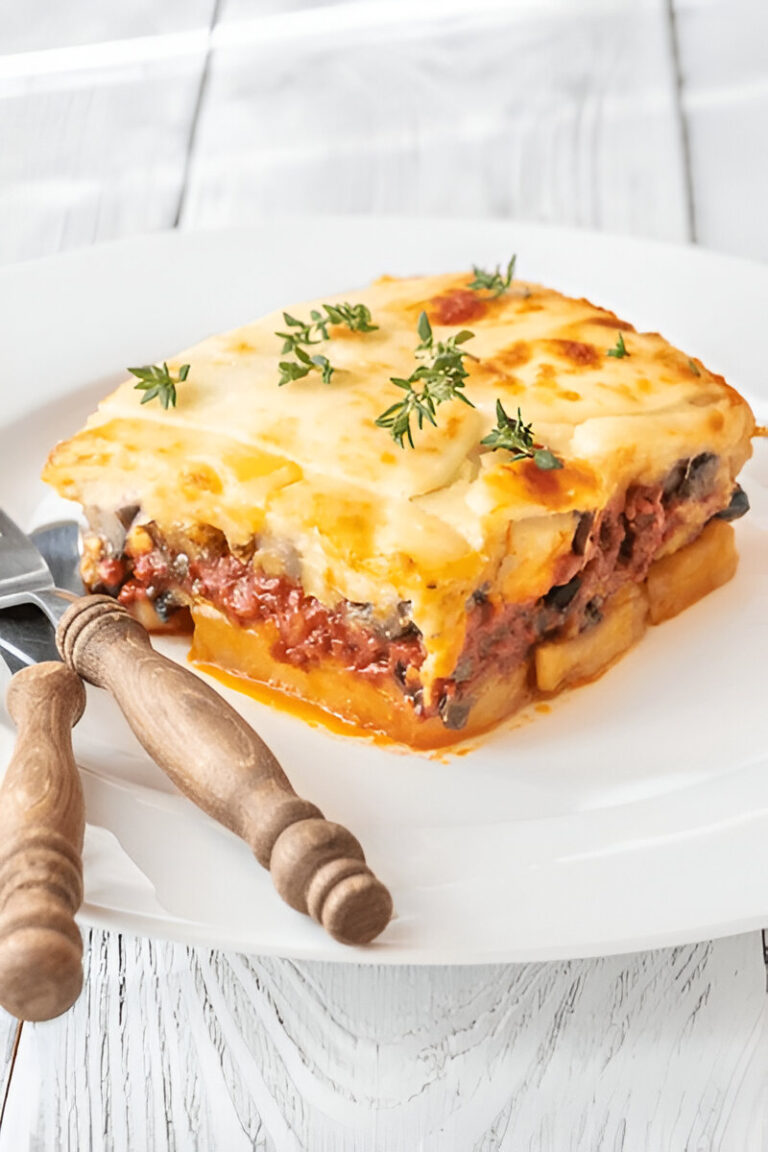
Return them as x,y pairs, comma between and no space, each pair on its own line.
414,590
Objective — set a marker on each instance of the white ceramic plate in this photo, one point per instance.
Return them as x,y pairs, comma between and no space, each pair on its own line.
634,815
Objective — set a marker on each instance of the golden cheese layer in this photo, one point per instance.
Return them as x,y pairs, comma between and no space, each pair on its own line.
339,506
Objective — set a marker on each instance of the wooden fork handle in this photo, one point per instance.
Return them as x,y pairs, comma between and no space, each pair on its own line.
216,759
42,821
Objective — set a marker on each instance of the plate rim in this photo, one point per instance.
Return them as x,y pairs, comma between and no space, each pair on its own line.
189,932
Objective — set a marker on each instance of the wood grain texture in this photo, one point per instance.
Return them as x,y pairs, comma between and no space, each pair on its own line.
560,112
41,26
724,90
95,137
662,1050
42,821
566,117
216,759
9,1028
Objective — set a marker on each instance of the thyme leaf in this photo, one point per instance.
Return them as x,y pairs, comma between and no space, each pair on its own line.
356,317
621,350
300,334
303,365
517,437
492,282
158,383
439,379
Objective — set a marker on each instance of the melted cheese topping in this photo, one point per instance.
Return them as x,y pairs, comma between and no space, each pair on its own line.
306,465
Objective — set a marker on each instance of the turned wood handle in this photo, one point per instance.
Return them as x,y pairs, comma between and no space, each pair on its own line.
219,762
42,821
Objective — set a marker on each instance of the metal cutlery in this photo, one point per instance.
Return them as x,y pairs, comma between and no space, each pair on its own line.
205,747
42,822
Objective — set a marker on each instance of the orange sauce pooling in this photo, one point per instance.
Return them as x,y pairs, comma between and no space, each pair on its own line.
311,714
318,717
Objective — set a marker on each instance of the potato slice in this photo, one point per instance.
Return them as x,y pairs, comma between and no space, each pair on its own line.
680,579
564,662
353,701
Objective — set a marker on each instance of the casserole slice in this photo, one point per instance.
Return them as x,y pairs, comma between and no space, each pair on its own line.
424,590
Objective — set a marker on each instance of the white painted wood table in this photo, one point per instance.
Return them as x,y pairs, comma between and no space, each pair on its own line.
182,1048
646,117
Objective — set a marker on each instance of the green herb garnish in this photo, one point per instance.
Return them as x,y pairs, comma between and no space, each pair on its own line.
303,365
440,379
301,333
621,350
158,383
694,367
516,437
356,317
492,282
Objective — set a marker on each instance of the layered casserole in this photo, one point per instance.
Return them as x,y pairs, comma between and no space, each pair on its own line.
418,554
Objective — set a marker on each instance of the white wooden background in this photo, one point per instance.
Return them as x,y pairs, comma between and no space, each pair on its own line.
645,116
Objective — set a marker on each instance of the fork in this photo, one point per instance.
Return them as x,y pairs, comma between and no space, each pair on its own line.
206,748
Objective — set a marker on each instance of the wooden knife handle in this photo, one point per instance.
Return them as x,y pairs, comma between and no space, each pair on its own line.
42,821
216,759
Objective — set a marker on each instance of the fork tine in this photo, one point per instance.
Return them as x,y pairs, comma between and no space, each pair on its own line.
13,540
10,533
22,569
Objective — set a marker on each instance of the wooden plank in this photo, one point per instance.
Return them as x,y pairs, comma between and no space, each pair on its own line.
657,1050
8,1032
42,25
95,140
108,159
724,89
551,116
556,112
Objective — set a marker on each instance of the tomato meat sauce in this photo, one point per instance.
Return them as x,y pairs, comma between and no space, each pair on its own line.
611,547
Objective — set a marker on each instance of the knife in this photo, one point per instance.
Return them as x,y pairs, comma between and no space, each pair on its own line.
42,821
206,748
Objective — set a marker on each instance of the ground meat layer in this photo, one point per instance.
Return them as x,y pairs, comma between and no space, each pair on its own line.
610,548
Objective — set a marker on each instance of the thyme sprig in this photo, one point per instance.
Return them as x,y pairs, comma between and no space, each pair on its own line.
157,382
302,333
621,350
440,378
303,365
492,282
355,316
516,437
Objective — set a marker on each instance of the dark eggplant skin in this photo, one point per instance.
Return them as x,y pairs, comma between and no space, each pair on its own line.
691,479
738,507
592,612
561,595
454,713
165,606
582,533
